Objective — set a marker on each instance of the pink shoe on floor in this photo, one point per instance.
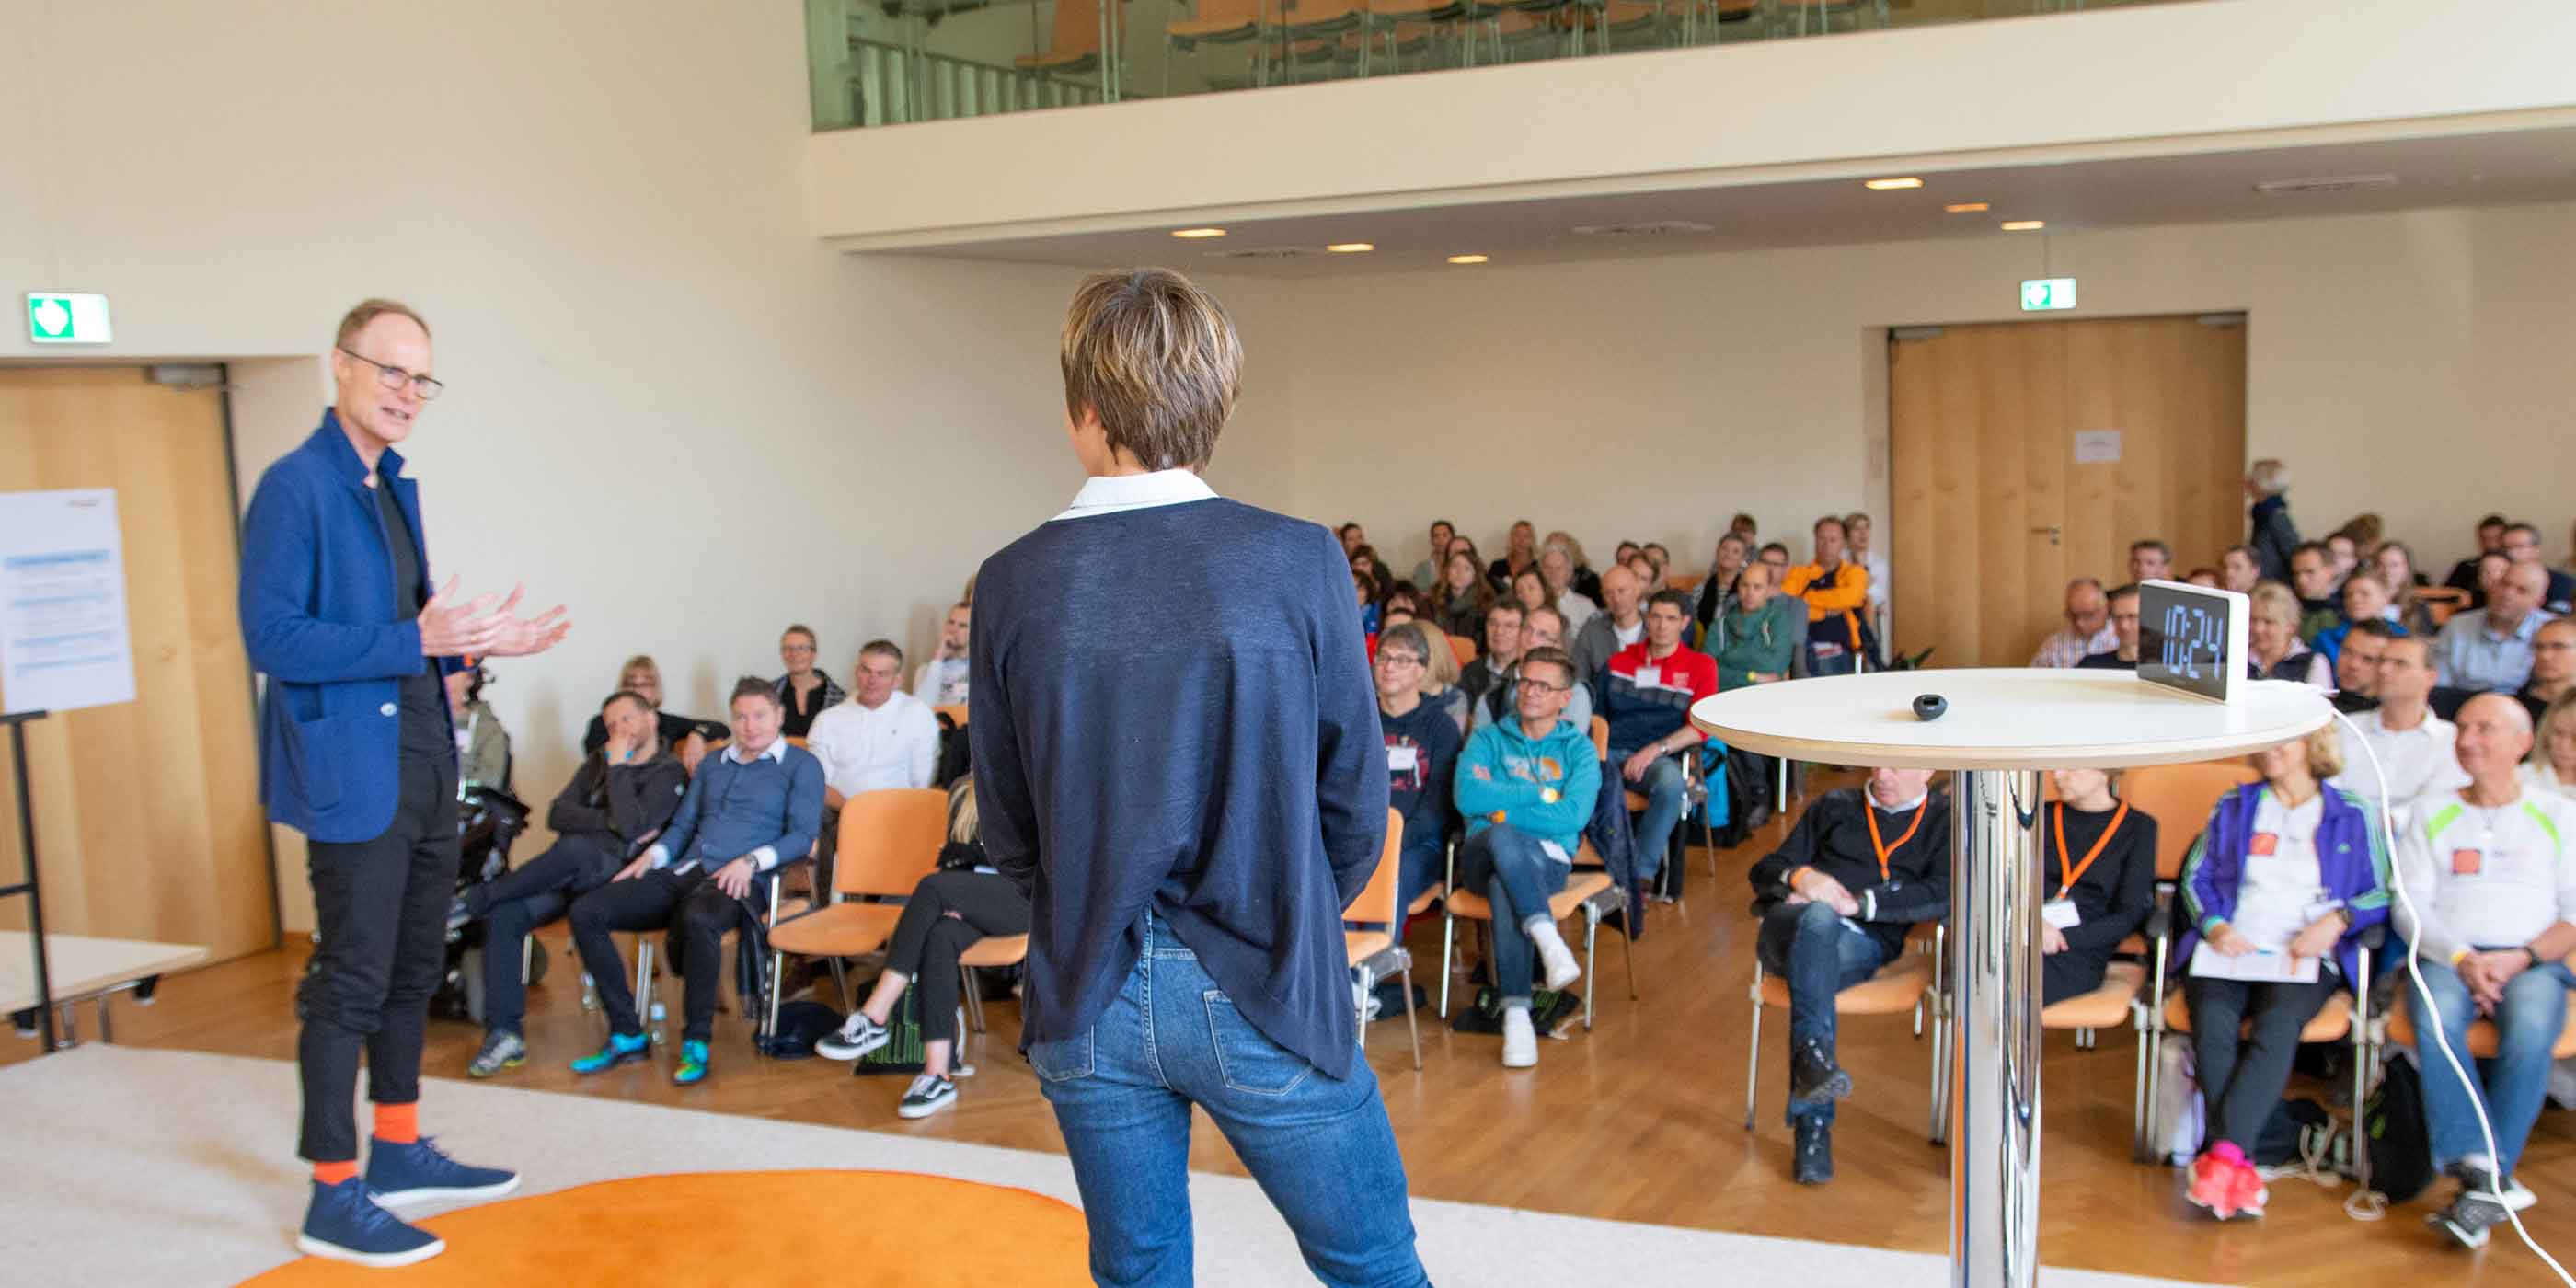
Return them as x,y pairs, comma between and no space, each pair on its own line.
2213,1185
2246,1191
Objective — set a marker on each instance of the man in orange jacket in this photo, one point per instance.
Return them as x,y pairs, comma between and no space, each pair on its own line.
1836,594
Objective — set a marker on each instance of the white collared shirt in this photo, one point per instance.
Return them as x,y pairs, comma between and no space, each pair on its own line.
2417,761
1118,493
865,749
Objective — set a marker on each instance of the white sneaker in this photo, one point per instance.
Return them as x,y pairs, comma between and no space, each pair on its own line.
1553,953
1520,1041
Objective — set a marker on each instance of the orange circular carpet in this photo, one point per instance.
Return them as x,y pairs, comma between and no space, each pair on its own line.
701,1228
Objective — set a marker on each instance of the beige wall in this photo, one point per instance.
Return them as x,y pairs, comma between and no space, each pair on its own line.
2413,364
2167,78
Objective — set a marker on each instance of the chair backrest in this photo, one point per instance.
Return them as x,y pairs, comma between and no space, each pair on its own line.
1077,26
890,840
1462,648
1213,12
2441,601
955,711
795,740
2179,798
1601,739
1376,904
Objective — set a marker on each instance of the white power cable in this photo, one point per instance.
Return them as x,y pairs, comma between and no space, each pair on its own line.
2441,1038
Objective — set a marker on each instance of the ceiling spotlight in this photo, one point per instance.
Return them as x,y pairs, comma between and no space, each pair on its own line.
1351,248
2024,225
1193,234
1965,208
1467,259
1890,185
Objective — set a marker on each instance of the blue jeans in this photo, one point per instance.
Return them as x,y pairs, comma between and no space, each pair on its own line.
1518,878
2528,1022
1811,947
1662,789
1825,657
1417,868
1322,1149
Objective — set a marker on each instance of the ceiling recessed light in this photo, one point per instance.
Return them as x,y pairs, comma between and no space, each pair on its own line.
1890,185
1965,208
1351,248
1194,234
1467,259
2024,225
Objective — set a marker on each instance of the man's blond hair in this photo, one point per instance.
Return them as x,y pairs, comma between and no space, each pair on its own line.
1158,361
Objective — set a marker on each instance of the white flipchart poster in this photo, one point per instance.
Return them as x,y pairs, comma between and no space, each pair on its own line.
64,641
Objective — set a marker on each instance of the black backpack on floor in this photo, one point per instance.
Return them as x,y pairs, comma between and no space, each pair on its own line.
2392,1125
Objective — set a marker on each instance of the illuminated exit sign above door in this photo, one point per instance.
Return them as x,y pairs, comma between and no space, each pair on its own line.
67,319
2042,293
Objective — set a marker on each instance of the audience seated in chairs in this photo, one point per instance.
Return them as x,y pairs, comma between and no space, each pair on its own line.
2123,654
2295,869
941,681
1717,591
1755,641
1541,628
1858,530
1461,596
880,737
1427,572
1581,578
482,744
2522,546
2467,576
687,738
805,691
2272,639
1556,579
2395,563
2413,746
2203,576
1520,552
1364,563
2490,911
1422,746
1774,554
1353,537
757,805
2094,901
2088,627
1646,693
2150,560
2320,589
2239,570
1440,679
2490,648
2365,599
1526,788
617,803
963,902
2551,771
1620,623
1836,901
1836,592
1502,651
2357,666
2553,666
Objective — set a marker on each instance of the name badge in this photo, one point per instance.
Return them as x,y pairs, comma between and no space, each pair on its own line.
1649,677
1403,760
2264,843
2061,913
2467,863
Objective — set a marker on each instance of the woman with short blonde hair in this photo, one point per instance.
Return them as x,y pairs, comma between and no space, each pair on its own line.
2272,638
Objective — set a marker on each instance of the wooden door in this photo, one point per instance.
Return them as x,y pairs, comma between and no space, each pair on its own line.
1992,513
148,820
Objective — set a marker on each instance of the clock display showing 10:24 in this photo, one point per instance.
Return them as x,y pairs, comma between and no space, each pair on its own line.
2191,639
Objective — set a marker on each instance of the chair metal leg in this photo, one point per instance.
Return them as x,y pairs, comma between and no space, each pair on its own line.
1448,969
1591,936
1412,1027
841,980
1359,1003
644,989
1753,1050
974,998
777,984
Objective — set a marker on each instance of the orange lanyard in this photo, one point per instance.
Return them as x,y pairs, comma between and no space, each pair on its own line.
2066,877
1884,849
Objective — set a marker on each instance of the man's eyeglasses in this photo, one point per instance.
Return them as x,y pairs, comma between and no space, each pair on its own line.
423,387
1545,687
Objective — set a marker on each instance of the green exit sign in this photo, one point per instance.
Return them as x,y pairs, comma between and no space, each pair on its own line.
2041,293
54,318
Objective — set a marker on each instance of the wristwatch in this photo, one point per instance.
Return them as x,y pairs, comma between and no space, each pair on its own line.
2527,951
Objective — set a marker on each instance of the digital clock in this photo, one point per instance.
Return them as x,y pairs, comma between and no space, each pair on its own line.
2191,639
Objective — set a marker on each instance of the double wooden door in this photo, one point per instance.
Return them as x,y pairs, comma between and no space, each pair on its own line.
2024,455
148,820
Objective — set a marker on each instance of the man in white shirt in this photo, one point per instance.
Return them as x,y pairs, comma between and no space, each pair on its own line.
2088,627
1556,571
2414,747
1618,624
881,737
2490,909
941,681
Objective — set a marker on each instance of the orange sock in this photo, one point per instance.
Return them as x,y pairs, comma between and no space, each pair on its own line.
398,1124
334,1173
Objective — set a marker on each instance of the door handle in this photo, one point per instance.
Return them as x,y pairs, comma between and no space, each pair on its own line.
2052,532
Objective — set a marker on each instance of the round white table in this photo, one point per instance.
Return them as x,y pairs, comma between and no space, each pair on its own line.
2002,727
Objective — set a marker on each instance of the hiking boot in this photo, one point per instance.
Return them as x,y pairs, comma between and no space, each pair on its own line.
1812,1163
1814,1077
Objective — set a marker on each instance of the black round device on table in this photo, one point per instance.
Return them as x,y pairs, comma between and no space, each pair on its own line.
1930,706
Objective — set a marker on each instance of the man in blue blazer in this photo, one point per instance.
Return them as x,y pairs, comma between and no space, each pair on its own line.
357,753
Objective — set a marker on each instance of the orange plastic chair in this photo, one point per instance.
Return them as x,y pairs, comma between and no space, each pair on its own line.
890,840
1463,649
1375,952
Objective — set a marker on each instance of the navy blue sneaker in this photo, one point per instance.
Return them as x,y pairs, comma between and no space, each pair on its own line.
345,1224
420,1173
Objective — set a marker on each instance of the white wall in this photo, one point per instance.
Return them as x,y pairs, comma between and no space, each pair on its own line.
668,404
2412,364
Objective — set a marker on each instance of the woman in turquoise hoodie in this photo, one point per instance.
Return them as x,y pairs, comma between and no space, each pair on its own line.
1526,787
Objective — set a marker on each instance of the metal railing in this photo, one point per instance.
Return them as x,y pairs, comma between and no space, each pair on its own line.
891,85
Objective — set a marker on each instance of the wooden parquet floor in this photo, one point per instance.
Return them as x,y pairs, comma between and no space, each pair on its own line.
1639,1120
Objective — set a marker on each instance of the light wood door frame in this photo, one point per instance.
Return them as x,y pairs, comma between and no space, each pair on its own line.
148,819
1991,515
